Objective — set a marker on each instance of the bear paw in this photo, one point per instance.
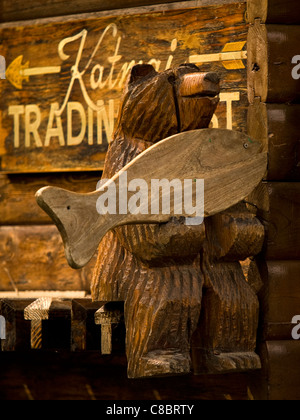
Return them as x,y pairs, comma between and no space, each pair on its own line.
160,363
220,363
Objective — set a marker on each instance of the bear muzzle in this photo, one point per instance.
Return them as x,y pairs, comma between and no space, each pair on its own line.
200,85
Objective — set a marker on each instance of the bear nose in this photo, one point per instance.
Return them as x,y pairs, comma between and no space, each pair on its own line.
212,77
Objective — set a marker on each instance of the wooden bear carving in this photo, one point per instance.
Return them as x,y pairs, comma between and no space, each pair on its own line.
170,275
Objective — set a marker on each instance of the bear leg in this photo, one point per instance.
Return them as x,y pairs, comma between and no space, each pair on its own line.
161,314
226,338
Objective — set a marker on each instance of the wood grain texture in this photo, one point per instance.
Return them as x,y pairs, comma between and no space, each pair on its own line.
17,194
197,154
17,11
271,49
226,336
279,298
274,11
32,258
79,139
160,270
85,334
39,372
283,222
276,126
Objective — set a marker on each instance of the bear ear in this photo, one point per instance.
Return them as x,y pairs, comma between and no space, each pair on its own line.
140,71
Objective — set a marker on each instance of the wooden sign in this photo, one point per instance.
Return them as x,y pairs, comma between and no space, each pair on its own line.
65,76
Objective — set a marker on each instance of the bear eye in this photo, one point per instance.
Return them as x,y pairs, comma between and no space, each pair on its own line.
190,65
172,79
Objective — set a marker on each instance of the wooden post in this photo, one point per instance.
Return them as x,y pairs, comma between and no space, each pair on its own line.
83,313
271,49
108,315
57,334
37,312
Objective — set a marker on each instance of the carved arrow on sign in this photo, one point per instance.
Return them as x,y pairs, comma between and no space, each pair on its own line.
231,56
17,72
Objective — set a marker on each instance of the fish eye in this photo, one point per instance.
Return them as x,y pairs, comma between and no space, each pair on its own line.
246,146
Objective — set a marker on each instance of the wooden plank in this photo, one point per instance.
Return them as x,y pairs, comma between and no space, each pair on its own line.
279,299
276,126
280,378
85,334
32,258
271,50
17,194
230,164
274,11
104,48
55,332
12,11
37,312
283,221
109,314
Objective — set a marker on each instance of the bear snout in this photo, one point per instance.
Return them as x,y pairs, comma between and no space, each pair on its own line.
199,85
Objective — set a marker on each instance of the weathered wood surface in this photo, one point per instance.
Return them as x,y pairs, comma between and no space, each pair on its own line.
222,341
283,222
279,299
280,378
32,258
34,139
158,270
37,312
271,49
230,163
276,127
17,194
12,11
109,316
274,11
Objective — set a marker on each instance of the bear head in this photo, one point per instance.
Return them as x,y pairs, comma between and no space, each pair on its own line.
158,105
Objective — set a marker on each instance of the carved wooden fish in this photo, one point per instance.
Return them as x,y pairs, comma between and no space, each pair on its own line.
230,163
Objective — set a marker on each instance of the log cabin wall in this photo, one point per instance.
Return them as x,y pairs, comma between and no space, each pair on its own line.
31,252
273,118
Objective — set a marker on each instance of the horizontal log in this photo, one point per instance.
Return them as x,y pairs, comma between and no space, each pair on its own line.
283,224
276,126
32,258
271,50
17,195
274,11
16,10
279,299
280,379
